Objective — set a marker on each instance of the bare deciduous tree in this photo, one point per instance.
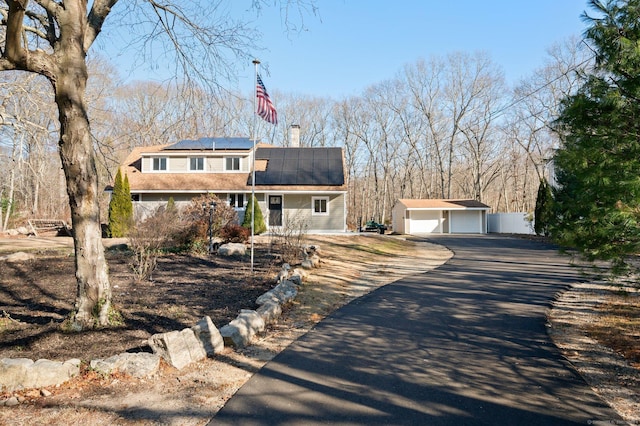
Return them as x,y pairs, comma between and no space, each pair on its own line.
53,39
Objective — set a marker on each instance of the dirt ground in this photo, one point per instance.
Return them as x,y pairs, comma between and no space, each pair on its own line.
596,325
183,290
35,297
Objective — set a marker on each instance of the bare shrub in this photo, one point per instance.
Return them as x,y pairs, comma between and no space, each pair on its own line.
148,239
169,228
288,240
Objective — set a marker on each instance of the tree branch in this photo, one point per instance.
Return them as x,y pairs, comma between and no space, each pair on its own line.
98,14
50,6
14,51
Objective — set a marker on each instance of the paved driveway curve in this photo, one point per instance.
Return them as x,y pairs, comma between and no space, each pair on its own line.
464,344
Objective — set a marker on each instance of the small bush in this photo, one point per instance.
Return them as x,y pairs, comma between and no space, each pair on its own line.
194,221
233,233
259,227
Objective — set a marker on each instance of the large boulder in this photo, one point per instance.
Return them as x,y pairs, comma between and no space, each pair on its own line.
270,311
282,293
23,373
241,330
298,276
13,373
178,348
232,249
209,336
139,365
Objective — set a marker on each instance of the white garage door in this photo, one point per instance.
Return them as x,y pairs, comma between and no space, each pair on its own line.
466,222
424,222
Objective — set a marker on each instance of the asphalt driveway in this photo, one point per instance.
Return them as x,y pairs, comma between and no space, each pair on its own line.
465,344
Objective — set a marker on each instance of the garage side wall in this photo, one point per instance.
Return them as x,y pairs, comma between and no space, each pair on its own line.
398,214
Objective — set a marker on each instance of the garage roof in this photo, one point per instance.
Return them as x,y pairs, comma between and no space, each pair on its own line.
442,204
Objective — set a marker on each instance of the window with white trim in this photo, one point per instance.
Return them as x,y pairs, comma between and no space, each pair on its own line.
159,163
196,163
232,164
320,206
236,200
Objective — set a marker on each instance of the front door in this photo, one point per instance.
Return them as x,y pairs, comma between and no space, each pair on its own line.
275,210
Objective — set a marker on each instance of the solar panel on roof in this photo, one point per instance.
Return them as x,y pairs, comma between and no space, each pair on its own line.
291,154
324,153
301,166
306,154
263,153
276,164
209,143
305,164
288,177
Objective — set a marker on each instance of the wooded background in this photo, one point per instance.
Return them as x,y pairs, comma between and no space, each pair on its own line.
443,127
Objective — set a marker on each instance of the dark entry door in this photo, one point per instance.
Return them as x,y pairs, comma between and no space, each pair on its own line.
275,210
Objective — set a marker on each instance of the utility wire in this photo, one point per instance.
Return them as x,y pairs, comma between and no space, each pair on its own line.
502,110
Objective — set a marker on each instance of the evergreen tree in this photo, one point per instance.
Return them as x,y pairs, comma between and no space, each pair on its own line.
598,168
114,206
127,204
259,226
544,209
171,205
120,207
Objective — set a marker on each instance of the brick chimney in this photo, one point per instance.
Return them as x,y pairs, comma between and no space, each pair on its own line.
294,136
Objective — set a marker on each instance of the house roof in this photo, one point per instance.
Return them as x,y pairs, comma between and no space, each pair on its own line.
221,182
300,166
442,204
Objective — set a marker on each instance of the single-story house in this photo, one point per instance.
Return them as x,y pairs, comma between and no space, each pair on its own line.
439,216
291,183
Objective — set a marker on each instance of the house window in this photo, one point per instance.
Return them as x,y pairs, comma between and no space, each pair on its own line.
196,163
236,200
159,163
232,164
320,206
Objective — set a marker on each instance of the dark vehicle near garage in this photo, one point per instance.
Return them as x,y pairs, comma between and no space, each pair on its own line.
372,226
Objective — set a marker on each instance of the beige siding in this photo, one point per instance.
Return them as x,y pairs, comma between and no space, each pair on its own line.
298,208
215,164
178,164
181,164
398,218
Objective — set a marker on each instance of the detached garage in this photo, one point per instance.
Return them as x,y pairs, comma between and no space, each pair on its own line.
439,217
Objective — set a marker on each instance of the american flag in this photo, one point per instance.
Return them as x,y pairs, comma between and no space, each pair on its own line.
265,108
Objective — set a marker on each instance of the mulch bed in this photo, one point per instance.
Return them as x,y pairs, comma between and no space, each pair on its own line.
37,296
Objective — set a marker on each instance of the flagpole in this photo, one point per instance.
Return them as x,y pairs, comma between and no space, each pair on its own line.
256,62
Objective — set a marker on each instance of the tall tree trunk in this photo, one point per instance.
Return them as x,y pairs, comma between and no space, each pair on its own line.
12,184
93,298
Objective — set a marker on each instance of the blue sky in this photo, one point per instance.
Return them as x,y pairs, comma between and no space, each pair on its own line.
353,44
